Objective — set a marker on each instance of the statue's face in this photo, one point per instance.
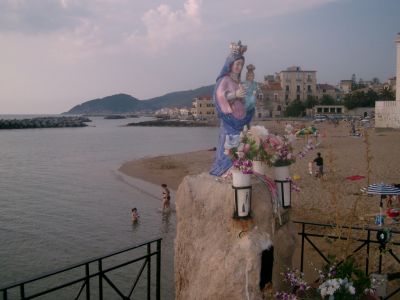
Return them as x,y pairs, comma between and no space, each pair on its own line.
237,66
250,77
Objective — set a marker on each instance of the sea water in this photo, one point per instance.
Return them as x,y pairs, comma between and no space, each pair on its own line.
62,199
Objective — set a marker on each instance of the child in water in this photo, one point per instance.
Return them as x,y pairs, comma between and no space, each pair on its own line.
135,215
166,196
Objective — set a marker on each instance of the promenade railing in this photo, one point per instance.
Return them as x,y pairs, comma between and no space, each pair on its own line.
362,239
105,277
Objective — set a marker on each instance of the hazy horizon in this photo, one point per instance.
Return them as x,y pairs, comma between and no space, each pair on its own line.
58,54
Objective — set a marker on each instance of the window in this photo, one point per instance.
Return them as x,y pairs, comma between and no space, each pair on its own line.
298,89
287,88
309,88
286,97
298,97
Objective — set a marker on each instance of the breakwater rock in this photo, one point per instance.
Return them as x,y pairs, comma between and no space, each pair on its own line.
44,122
173,123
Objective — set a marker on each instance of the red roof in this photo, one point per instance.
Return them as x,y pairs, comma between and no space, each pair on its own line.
272,86
204,97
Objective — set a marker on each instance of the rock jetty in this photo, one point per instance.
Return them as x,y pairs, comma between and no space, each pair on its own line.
44,122
173,123
114,117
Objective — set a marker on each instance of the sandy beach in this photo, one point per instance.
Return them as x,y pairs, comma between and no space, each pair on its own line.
332,198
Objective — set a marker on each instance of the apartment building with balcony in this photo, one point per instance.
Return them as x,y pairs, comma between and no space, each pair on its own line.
297,84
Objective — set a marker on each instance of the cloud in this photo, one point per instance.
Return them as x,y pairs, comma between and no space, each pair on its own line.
165,26
41,16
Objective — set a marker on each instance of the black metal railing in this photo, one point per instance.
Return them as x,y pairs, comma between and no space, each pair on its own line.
368,237
100,268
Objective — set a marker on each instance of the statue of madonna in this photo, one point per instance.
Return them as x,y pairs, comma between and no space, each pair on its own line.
229,100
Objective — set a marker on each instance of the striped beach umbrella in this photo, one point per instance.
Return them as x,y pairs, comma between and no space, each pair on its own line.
381,189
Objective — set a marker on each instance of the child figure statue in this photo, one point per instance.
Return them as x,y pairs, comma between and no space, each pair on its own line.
251,88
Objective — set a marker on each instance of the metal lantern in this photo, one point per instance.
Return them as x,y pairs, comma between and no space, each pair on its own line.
242,202
284,192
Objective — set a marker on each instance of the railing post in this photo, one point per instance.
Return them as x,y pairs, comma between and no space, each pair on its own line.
148,271
367,258
22,291
302,246
380,259
158,283
100,279
87,281
4,294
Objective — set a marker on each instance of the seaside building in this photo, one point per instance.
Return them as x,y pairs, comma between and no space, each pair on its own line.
270,100
329,109
203,108
298,84
387,113
328,90
345,86
390,84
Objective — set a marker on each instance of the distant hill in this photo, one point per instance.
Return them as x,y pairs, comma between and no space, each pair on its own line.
116,104
177,99
123,103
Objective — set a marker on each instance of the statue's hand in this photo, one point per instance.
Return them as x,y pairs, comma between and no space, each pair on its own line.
241,92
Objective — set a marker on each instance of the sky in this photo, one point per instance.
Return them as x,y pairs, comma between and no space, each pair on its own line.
55,54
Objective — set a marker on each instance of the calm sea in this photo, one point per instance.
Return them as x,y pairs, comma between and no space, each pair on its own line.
62,199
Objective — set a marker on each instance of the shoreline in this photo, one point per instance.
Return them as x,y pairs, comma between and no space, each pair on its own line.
333,199
168,169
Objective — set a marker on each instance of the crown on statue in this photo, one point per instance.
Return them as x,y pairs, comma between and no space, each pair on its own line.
250,68
238,48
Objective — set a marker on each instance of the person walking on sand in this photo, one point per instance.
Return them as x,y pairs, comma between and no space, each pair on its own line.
135,215
166,196
320,165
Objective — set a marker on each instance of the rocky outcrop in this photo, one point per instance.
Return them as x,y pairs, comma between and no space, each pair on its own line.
173,123
44,122
218,257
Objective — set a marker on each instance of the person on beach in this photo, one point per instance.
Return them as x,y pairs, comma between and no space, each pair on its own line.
135,215
166,196
229,100
319,161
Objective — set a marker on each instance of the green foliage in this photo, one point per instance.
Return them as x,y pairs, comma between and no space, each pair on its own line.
295,109
349,269
327,100
387,94
361,99
310,102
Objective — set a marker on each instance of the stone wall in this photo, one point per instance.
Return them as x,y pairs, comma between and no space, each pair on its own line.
217,257
387,114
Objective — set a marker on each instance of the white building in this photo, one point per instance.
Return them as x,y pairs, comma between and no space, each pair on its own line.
387,113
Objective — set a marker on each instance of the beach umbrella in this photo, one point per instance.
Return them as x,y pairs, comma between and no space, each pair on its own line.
381,189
